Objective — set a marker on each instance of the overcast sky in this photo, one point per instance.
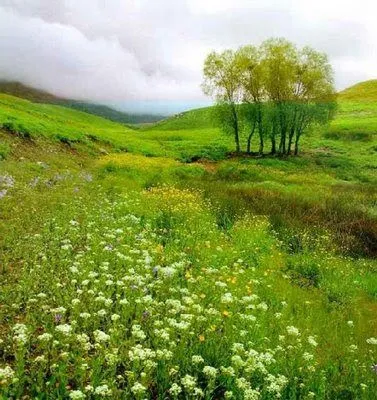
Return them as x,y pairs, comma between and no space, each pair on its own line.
152,51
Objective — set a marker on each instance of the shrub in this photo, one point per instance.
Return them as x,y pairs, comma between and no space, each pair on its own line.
67,140
4,150
17,129
304,271
349,136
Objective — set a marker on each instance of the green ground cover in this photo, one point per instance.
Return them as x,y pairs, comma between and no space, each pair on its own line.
172,271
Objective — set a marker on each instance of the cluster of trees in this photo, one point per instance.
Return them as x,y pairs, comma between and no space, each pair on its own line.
275,92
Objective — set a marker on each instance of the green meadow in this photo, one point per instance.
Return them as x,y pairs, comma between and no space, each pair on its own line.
148,262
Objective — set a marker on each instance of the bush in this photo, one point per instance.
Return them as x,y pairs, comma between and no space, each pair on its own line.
337,296
4,150
349,136
67,140
16,129
304,271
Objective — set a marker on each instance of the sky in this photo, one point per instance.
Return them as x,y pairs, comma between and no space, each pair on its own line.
147,55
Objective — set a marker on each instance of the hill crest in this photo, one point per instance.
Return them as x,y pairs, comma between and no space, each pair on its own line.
362,91
34,95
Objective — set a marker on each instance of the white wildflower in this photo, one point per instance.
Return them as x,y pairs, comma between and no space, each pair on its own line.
197,359
77,395
65,329
100,336
45,337
210,372
293,331
188,382
175,390
6,373
312,341
138,389
102,390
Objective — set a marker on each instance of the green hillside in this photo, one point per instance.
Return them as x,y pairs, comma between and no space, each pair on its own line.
362,91
18,89
33,120
200,118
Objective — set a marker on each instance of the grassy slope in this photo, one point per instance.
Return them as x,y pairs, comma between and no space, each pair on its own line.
18,89
334,162
363,91
345,150
60,123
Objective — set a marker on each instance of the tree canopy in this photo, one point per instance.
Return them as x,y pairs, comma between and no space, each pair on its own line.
275,90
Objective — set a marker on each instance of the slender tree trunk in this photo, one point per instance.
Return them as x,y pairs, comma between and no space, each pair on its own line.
248,149
296,147
235,127
296,143
283,130
290,141
283,140
289,150
273,144
250,137
261,143
280,144
260,130
273,138
292,131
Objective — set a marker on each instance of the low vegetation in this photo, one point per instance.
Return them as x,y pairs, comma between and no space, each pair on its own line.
152,263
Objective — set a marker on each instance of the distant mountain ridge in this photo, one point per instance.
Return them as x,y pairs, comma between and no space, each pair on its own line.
18,89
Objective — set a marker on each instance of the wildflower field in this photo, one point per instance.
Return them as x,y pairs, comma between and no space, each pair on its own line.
133,277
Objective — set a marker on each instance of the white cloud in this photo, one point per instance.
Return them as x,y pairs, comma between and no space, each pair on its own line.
154,50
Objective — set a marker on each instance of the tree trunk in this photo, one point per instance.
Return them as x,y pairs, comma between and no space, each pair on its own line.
296,144
235,126
248,150
261,143
290,141
273,144
289,150
282,145
260,130
292,131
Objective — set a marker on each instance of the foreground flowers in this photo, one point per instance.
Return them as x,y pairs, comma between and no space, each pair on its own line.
142,296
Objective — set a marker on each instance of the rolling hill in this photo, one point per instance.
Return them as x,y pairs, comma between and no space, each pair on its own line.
40,96
188,136
362,91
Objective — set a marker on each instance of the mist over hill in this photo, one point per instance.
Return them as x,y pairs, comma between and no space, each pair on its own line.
35,95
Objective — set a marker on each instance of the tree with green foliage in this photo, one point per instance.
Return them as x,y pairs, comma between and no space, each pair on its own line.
248,59
275,89
223,82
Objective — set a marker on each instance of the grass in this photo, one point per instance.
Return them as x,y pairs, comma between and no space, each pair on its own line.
73,128
171,271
